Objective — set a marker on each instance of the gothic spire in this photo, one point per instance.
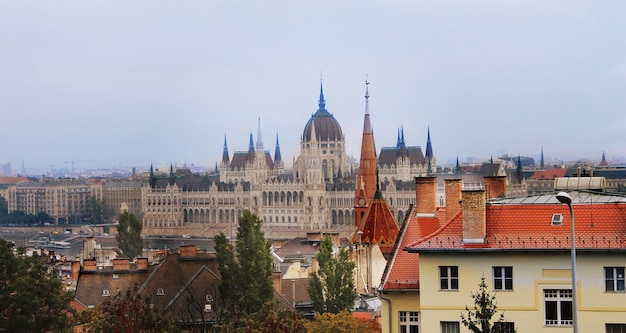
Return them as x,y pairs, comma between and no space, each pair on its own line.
429,147
225,157
251,144
542,162
367,166
277,156
457,168
604,162
259,139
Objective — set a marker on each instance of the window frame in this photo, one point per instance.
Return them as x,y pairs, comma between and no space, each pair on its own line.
506,326
450,326
614,280
408,320
503,278
559,297
450,277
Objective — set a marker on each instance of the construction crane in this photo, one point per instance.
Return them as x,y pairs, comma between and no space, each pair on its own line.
74,161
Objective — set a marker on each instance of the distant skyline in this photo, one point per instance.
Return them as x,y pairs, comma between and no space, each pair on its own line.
129,84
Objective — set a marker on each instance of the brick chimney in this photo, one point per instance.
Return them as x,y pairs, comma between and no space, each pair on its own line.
495,186
453,197
75,270
121,264
90,265
474,217
277,279
187,250
141,264
425,195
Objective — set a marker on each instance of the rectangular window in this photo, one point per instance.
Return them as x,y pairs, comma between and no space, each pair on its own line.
450,327
503,278
503,327
615,328
409,322
614,278
448,277
558,307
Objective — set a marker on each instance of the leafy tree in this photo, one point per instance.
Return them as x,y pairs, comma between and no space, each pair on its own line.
129,242
97,211
129,313
331,288
478,320
31,296
270,320
342,322
245,269
4,206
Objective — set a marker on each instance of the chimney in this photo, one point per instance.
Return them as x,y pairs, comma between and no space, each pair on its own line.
453,197
141,264
121,264
425,195
75,270
90,265
187,250
474,217
495,186
277,279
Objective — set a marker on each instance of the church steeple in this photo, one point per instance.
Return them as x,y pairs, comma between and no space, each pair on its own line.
367,167
457,168
542,164
225,157
429,152
604,162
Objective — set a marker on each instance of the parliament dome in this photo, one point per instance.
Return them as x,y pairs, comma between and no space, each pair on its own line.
326,127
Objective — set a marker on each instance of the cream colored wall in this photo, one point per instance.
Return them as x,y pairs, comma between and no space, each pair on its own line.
532,273
392,304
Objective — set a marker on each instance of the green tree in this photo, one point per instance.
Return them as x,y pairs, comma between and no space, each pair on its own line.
269,320
4,207
331,288
478,320
129,242
97,211
31,296
245,269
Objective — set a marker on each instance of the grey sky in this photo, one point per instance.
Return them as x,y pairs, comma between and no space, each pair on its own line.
129,83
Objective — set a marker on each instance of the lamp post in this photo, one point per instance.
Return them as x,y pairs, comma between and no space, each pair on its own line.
566,199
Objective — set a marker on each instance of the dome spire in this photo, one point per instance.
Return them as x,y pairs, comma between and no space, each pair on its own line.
322,101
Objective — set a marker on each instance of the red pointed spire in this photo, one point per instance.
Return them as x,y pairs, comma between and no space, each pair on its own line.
366,186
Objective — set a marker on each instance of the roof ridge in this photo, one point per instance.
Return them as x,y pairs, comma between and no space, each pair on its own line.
438,231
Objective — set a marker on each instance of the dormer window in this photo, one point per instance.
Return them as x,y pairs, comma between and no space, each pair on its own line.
160,292
106,292
557,219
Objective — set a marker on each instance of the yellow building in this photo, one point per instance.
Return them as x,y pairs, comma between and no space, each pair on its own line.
521,246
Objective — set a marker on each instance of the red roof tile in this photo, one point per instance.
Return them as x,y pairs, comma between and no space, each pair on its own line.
529,227
379,226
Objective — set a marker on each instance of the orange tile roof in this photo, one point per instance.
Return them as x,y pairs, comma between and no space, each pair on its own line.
402,271
529,227
378,226
549,174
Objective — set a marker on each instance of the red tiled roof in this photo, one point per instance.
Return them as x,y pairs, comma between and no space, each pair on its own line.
402,271
379,226
549,174
529,227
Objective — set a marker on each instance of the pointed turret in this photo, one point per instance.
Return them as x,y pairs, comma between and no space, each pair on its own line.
277,157
367,166
259,138
457,168
152,180
251,144
429,152
378,226
172,177
225,157
402,143
542,164
604,162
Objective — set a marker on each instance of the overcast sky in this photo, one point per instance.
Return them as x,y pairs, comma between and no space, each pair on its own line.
130,83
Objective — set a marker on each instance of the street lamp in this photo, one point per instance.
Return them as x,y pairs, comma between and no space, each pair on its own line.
566,199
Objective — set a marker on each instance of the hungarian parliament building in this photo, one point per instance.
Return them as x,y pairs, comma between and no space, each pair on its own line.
318,193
